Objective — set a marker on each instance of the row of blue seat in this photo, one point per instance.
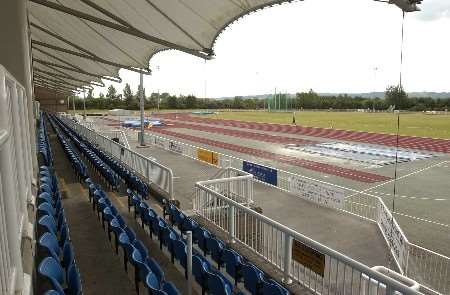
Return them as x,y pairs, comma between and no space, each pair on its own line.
254,280
97,163
130,178
43,144
56,266
147,270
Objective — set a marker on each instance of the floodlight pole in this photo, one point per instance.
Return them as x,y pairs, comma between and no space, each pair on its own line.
73,105
141,94
84,104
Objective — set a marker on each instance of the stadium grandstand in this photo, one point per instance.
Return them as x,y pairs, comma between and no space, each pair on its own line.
82,211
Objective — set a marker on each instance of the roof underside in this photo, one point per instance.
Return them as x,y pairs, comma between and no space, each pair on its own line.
76,42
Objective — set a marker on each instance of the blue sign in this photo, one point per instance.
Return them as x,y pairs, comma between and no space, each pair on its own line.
262,173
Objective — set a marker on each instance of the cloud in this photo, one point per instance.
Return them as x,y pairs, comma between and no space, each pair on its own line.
434,9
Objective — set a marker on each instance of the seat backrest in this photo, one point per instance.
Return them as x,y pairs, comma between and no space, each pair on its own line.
199,268
49,241
130,233
156,269
49,223
170,289
252,277
46,209
50,268
73,280
68,255
232,260
273,288
180,250
141,248
151,282
217,286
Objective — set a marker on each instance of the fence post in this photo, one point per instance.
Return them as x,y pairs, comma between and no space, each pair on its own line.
287,258
189,261
231,225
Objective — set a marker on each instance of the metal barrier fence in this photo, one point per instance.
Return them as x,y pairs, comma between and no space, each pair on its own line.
315,266
358,203
151,170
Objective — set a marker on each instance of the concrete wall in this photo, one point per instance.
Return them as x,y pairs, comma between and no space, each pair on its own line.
50,100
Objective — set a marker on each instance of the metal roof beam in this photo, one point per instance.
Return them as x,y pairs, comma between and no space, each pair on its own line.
56,85
62,82
93,58
69,77
51,64
124,29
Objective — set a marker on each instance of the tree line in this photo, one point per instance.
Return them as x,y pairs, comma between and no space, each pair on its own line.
395,97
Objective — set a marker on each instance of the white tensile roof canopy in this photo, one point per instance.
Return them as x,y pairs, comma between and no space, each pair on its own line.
76,43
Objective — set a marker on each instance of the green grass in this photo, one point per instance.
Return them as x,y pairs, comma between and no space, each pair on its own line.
416,124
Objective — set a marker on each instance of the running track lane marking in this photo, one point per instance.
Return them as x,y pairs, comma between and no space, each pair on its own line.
404,176
421,143
412,198
316,166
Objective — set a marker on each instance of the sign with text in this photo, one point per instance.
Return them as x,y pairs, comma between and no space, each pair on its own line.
316,192
393,234
262,173
208,156
308,257
175,147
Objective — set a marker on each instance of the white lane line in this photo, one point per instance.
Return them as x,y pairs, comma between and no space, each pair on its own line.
399,178
422,219
412,198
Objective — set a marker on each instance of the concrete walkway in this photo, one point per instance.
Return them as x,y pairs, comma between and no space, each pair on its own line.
102,271
357,238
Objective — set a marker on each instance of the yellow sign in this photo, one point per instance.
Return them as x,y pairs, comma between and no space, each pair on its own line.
308,257
208,156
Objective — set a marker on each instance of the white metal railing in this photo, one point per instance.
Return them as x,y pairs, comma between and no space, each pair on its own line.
15,180
315,266
359,203
151,170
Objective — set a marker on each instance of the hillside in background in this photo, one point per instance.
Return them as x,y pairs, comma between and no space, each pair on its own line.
434,95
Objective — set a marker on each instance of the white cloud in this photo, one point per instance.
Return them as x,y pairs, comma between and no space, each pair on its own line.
326,45
434,9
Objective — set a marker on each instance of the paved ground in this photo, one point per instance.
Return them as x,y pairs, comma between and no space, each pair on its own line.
321,224
422,198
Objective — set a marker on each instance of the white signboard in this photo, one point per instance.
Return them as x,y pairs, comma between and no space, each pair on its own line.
316,192
393,234
175,147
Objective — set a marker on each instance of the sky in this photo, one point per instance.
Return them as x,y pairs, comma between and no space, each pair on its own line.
334,46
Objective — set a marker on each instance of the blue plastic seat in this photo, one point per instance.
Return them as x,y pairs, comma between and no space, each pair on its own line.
253,278
273,288
45,209
179,248
152,283
189,225
68,255
49,243
201,235
200,270
218,284
215,247
50,269
170,289
233,264
73,281
47,223
44,197
156,269
53,292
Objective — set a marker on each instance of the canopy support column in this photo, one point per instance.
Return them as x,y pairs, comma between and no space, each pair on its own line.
141,94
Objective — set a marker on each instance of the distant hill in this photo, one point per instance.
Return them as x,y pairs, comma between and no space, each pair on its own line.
434,95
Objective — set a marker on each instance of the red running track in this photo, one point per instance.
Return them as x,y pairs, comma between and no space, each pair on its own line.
316,166
420,143
245,134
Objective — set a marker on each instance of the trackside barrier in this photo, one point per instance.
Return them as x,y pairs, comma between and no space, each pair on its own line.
15,181
409,258
120,134
315,266
151,170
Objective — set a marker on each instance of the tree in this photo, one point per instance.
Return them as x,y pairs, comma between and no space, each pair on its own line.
396,96
172,102
128,95
191,102
101,95
89,95
112,92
